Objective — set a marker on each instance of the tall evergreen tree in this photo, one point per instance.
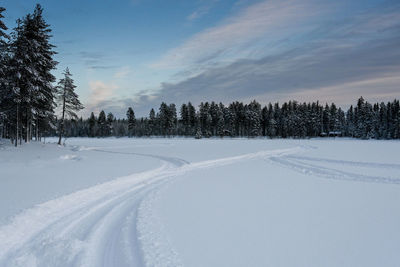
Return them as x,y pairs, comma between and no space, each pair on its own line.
110,124
152,122
192,119
92,125
3,70
3,47
130,115
43,101
102,122
68,100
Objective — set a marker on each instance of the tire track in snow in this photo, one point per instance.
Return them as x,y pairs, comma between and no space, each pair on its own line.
297,164
349,162
97,226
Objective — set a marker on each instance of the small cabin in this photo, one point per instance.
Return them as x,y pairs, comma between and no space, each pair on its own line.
335,134
331,134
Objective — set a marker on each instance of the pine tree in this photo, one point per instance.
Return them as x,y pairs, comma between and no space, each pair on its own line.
326,119
2,27
229,118
43,102
110,122
173,119
130,114
165,120
253,116
16,73
152,122
198,133
68,99
3,47
220,123
184,118
101,121
192,119
92,125
3,72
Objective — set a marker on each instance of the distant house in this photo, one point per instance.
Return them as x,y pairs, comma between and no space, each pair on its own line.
335,134
331,134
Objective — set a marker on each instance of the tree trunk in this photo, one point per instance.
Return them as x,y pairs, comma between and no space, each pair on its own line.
37,129
62,120
30,130
17,127
27,127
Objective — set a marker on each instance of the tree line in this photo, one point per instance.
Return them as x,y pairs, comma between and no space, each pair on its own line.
28,97
288,120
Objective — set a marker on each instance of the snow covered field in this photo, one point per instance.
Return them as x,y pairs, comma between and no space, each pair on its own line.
186,202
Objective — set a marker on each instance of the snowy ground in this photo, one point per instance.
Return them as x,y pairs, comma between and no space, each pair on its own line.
185,202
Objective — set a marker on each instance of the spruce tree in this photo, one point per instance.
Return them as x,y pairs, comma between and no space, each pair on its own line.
184,118
68,100
220,123
92,124
173,118
130,115
192,119
110,124
17,73
101,121
152,122
43,103
3,47
3,71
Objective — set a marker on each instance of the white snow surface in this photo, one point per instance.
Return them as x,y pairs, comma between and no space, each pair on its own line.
209,202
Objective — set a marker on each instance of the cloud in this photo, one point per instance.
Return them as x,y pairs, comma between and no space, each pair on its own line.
99,93
123,72
236,37
377,89
102,67
95,60
203,10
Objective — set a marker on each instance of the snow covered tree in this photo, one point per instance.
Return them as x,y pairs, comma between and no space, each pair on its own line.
184,118
173,118
110,124
164,119
192,119
101,121
152,122
220,123
68,100
253,117
3,47
92,125
3,70
14,90
43,104
130,115
198,133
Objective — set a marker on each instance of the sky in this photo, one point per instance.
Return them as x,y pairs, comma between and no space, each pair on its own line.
139,53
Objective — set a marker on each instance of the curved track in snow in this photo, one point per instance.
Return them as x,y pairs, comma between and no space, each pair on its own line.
98,226
312,166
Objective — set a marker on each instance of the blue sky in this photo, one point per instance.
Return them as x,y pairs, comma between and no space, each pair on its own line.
141,52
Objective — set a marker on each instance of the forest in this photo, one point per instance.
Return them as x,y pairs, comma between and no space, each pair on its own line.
288,120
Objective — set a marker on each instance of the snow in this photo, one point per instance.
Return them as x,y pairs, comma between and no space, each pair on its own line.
208,202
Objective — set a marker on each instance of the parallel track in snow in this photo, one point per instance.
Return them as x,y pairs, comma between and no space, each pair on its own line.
312,166
98,226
